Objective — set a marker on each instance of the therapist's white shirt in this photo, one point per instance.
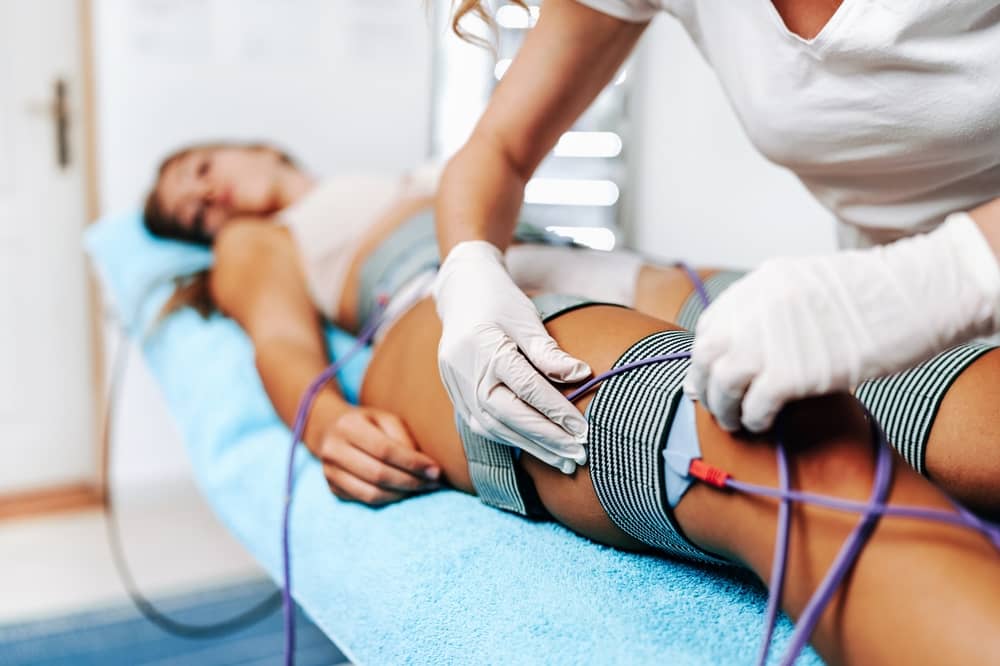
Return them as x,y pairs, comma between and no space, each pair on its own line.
890,116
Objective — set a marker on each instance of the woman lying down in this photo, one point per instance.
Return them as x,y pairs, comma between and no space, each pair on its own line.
290,251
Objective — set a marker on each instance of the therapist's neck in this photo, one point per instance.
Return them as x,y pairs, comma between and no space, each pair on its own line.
293,185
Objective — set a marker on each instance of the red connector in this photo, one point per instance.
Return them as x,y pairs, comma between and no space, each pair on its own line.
713,476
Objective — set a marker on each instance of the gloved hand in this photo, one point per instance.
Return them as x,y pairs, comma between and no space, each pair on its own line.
492,336
808,326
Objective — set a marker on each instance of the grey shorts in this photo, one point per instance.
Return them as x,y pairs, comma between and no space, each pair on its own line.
411,250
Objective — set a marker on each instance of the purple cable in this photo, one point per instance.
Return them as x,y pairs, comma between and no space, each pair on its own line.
591,383
301,416
991,530
780,557
696,281
846,558
963,518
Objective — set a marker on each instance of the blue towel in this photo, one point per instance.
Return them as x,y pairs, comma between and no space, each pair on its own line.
436,579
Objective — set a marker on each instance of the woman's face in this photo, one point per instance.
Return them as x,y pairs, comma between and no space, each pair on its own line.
208,187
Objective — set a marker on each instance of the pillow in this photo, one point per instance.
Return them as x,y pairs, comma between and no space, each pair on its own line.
136,268
136,271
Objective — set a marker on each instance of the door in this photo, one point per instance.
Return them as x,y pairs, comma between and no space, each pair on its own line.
46,378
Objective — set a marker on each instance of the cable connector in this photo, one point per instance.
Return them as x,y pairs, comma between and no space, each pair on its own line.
709,474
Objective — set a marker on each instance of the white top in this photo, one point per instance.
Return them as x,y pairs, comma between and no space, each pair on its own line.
890,116
331,222
329,225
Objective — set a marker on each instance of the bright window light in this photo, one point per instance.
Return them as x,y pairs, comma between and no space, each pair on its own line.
589,144
571,192
599,238
515,18
501,68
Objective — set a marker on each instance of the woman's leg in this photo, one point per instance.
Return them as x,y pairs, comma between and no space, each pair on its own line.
662,291
921,592
620,277
963,450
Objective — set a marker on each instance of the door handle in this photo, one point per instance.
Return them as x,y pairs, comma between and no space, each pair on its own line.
58,110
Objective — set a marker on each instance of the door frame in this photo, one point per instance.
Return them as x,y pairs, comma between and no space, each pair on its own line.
92,494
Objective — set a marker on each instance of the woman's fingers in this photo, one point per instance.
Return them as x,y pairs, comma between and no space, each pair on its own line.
363,466
349,487
394,427
364,433
369,456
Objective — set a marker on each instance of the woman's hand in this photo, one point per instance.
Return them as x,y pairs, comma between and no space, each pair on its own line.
368,456
808,326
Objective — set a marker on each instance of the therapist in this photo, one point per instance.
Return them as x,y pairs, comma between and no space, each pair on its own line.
889,113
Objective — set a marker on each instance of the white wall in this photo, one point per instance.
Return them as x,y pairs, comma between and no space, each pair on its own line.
341,84
700,191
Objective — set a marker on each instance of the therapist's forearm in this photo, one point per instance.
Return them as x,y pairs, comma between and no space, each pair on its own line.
565,61
480,196
287,369
987,217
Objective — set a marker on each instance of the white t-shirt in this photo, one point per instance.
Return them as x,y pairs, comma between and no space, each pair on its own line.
890,116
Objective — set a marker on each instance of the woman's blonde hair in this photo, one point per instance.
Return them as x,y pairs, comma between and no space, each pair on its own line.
481,10
190,291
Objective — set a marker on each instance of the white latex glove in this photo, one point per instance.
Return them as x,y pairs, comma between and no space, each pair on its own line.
491,337
808,326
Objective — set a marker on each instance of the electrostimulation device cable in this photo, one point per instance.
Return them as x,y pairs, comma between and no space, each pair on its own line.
141,602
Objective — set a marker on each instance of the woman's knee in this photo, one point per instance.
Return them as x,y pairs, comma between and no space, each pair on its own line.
831,443
827,439
963,450
829,449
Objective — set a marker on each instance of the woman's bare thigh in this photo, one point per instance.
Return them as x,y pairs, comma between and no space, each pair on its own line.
403,378
661,291
963,450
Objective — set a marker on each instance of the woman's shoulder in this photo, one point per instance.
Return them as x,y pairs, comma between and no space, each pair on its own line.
250,245
246,253
248,235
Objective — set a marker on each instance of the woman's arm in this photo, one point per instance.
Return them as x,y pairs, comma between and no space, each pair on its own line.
368,454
